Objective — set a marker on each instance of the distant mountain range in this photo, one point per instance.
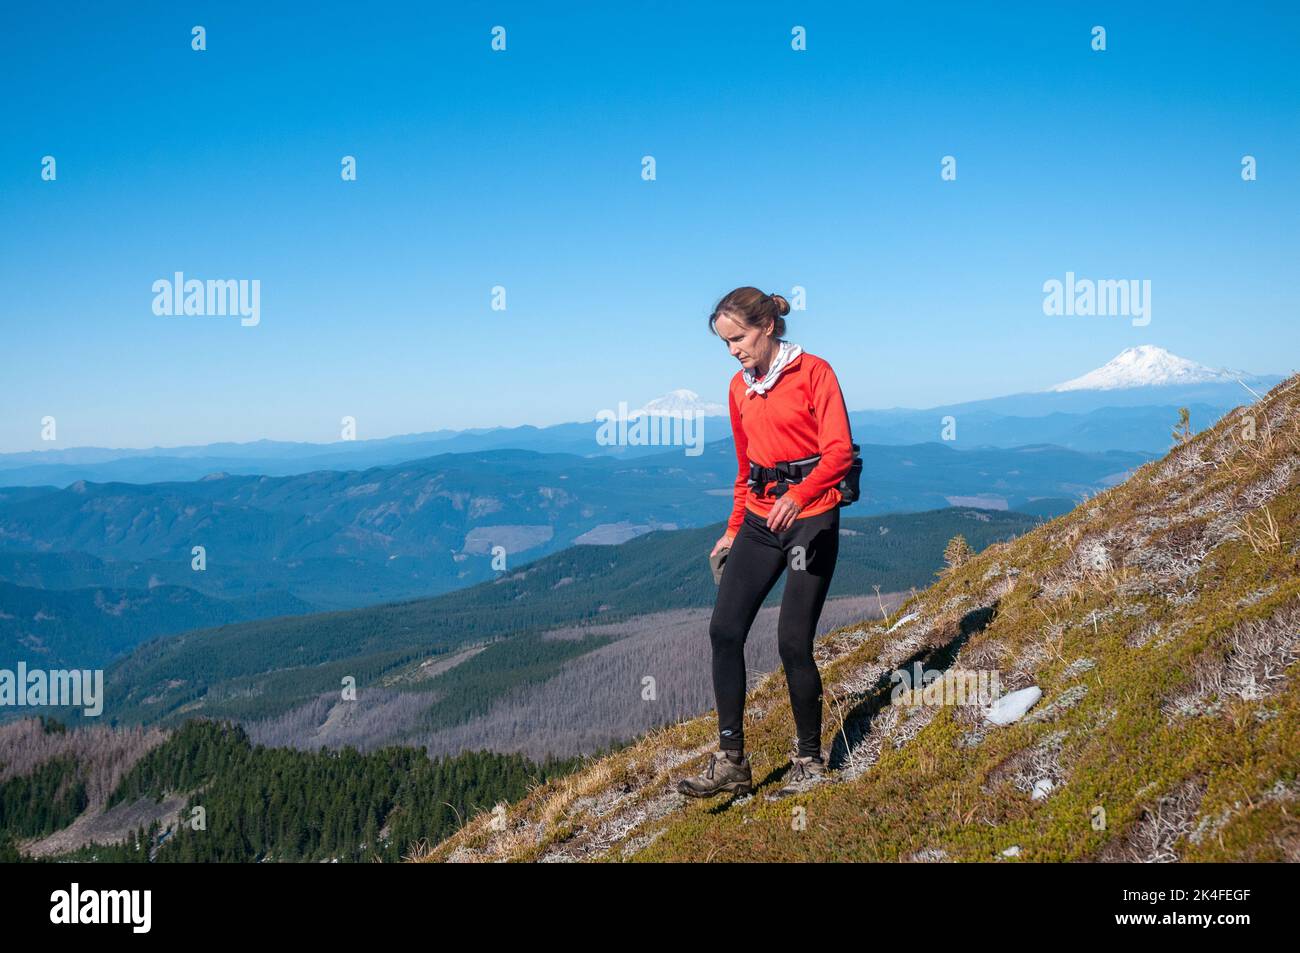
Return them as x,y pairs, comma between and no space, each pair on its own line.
1128,404
338,539
93,566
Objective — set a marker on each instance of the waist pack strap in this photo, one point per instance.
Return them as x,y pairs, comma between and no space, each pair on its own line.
785,472
788,472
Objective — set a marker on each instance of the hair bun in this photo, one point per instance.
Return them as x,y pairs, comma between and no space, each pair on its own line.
782,306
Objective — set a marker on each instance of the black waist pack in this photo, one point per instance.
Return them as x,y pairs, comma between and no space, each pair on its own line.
788,472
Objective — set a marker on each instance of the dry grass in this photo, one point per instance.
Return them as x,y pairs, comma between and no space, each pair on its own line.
1261,531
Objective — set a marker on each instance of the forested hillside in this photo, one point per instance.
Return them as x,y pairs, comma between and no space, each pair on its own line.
267,668
243,803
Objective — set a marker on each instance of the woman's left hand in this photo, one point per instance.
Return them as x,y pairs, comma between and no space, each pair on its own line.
783,514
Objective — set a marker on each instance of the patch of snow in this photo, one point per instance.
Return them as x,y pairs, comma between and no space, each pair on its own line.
1011,708
903,621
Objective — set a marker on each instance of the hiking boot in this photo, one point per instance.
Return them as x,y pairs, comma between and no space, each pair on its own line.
806,772
720,774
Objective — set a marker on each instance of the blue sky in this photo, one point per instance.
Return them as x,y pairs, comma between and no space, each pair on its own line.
775,168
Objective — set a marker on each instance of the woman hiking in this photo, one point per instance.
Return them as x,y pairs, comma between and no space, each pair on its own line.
788,417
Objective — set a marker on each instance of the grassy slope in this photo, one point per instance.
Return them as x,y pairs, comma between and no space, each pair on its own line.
1160,620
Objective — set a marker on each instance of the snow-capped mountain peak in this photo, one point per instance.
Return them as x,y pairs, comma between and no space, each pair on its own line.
1148,366
680,403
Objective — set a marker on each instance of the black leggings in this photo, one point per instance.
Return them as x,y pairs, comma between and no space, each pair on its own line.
752,568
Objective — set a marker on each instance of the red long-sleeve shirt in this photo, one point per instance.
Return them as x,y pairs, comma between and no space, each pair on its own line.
801,415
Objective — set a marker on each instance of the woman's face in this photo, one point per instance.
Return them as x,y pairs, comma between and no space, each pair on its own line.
747,345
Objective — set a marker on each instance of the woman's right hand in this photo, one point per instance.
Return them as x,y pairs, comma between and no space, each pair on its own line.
724,542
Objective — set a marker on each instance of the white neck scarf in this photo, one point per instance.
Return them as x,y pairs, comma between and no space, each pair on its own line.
784,356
